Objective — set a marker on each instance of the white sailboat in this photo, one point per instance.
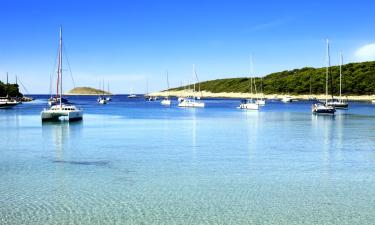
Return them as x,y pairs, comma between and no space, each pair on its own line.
131,95
260,100
339,103
61,110
324,108
249,103
167,101
102,99
109,97
192,102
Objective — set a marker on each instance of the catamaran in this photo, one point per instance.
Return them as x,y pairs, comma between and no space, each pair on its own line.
61,110
250,103
166,101
339,103
324,108
192,102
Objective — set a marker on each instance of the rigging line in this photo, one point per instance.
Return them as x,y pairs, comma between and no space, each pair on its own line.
70,69
25,89
51,75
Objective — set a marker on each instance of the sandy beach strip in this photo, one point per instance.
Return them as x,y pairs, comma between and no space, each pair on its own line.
205,94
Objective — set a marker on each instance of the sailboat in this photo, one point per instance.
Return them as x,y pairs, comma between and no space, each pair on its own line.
260,100
324,108
102,99
192,102
7,102
166,101
131,95
339,103
109,97
249,103
61,110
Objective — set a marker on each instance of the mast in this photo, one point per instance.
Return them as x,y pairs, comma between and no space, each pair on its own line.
341,61
193,82
6,87
251,75
59,73
167,84
327,70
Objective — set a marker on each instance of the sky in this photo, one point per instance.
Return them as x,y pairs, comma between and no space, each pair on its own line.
134,42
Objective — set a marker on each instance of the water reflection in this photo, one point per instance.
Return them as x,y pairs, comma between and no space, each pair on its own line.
252,118
61,136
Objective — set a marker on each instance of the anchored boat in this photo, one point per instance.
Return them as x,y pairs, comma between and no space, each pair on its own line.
324,108
61,110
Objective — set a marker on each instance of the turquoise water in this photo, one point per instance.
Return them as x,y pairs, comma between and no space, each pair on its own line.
137,162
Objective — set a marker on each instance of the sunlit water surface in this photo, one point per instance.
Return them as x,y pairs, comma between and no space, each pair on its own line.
137,162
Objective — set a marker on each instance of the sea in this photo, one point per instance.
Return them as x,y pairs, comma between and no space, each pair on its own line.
138,162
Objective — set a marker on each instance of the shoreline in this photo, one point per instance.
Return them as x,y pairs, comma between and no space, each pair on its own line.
236,95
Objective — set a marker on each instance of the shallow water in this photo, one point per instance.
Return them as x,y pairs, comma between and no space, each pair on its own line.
137,162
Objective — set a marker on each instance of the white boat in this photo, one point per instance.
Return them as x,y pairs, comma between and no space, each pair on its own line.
191,102
373,101
250,104
180,99
260,102
102,100
132,96
109,97
7,103
166,101
339,103
61,110
324,108
287,99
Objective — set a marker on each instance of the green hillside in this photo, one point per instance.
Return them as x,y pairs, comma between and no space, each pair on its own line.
358,79
11,89
87,91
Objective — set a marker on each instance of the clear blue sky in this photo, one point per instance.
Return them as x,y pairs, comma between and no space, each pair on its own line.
127,42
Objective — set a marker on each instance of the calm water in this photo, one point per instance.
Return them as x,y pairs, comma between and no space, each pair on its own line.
137,162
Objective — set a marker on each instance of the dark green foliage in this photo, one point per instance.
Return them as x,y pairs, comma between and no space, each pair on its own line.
10,89
358,79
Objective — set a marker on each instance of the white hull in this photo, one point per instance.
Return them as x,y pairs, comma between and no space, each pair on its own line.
249,106
58,114
191,104
261,102
166,102
287,99
103,101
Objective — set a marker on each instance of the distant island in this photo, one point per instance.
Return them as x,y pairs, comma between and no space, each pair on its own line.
358,79
87,91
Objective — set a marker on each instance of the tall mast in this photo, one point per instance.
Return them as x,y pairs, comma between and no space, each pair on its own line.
6,87
251,75
327,70
193,81
59,73
167,84
341,61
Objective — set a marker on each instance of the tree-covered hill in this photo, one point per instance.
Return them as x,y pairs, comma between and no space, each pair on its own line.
357,79
11,90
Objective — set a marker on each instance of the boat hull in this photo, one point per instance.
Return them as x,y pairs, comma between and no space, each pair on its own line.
323,109
187,104
56,115
8,105
249,106
166,102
